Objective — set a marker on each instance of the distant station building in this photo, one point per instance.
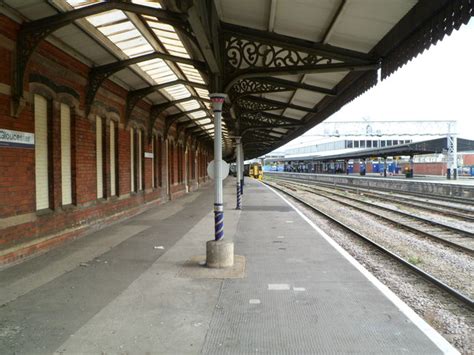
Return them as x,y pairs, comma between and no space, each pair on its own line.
330,155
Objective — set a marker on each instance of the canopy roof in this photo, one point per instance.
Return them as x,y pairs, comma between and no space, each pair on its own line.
432,146
285,65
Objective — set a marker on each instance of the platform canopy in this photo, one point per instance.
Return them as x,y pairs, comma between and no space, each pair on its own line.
286,65
432,146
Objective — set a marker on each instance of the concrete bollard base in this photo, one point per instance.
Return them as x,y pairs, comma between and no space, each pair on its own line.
219,254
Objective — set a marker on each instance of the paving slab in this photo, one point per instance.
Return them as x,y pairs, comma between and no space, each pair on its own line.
297,295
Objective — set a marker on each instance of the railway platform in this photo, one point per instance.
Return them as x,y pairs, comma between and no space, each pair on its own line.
138,287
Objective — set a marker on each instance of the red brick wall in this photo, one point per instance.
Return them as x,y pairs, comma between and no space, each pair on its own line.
468,159
20,222
429,168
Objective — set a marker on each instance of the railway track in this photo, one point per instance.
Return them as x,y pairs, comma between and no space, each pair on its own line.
458,238
464,213
451,199
466,300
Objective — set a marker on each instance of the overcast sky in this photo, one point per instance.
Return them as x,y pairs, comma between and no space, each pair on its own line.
437,85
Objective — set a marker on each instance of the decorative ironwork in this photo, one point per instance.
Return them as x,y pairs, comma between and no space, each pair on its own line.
243,54
255,106
452,16
253,86
256,86
246,129
133,97
95,81
266,118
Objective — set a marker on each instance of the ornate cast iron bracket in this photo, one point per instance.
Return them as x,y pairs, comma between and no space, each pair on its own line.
258,104
243,54
266,118
254,86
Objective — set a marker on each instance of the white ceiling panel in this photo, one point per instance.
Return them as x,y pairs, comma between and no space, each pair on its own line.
84,45
248,13
276,112
132,80
313,17
325,80
283,96
292,113
31,9
306,98
295,77
363,23
156,98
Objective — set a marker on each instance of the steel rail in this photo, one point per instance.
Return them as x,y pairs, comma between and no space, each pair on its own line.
426,234
440,284
441,209
456,199
402,213
380,191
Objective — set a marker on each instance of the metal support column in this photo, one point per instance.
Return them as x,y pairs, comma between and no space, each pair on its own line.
452,145
217,100
385,166
242,160
185,170
238,164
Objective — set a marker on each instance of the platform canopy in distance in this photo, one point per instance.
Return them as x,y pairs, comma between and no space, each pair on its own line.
285,65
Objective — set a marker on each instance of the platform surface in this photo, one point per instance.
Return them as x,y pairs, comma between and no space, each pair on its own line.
124,289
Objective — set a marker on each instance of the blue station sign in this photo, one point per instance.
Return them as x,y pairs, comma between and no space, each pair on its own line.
16,139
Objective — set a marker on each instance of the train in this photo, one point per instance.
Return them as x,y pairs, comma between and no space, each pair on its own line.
254,170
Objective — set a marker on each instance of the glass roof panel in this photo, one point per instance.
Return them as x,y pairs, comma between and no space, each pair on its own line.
150,3
80,3
178,91
132,42
190,105
136,51
122,32
161,26
105,18
198,114
125,35
117,28
163,34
